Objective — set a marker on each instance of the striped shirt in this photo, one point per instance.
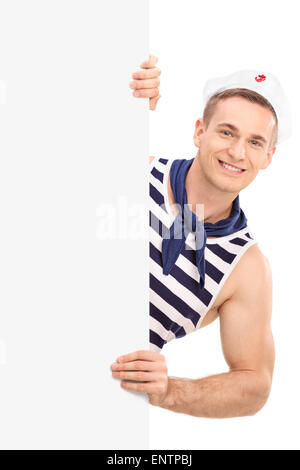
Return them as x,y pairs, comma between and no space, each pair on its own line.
177,306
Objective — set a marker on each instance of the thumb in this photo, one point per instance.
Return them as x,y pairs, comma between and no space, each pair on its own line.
153,102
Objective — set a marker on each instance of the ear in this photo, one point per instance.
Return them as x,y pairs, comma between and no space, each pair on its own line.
199,129
268,158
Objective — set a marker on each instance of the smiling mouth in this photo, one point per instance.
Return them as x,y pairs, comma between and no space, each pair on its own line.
234,170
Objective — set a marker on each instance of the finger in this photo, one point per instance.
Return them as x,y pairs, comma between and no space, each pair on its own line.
150,62
139,387
146,93
151,73
138,84
134,365
140,376
153,102
142,354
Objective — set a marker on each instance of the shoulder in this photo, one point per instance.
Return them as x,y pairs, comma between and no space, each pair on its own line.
253,276
254,263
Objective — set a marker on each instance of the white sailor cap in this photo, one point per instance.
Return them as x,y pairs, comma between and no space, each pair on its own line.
263,83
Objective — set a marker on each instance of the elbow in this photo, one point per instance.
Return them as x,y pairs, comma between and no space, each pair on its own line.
258,403
258,395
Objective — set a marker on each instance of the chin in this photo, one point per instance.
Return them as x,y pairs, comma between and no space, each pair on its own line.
230,189
227,186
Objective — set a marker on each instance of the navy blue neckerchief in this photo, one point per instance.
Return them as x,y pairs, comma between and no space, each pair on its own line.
186,221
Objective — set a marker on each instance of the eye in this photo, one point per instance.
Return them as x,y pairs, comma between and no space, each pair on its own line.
256,143
227,133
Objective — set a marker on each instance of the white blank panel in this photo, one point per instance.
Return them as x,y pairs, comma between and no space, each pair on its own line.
72,138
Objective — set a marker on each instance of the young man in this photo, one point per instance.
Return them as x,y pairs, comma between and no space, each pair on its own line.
201,271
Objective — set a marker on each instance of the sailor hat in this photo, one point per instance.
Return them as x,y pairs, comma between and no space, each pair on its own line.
263,83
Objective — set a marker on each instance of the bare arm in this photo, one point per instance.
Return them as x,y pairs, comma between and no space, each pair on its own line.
248,350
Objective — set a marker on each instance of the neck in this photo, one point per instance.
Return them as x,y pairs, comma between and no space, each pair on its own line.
217,203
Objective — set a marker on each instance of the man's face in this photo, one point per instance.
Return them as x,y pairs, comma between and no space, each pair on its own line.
239,134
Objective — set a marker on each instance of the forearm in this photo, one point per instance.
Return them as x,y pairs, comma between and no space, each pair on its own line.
232,394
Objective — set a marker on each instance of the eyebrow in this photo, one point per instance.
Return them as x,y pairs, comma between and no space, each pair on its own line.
233,128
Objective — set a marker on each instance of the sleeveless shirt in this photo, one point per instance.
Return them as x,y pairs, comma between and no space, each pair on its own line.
177,306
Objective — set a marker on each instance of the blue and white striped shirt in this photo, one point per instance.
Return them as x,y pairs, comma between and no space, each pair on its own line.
177,306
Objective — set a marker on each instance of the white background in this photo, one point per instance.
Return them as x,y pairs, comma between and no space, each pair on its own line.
71,139
196,40
67,124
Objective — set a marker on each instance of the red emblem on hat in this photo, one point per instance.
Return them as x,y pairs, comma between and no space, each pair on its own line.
260,78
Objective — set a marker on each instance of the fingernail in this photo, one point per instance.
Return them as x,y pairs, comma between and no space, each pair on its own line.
132,84
136,93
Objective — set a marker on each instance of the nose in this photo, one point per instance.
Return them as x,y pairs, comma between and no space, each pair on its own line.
237,150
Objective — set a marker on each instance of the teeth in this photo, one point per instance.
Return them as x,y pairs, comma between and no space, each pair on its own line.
231,167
